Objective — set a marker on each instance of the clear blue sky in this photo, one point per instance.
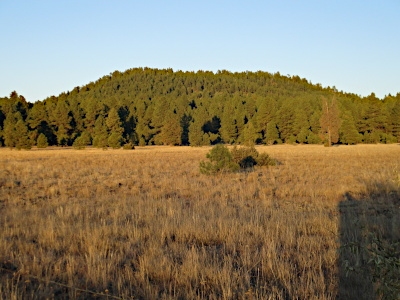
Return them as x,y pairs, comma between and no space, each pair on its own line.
48,47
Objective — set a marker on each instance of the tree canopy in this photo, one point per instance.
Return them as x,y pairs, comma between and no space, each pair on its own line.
144,106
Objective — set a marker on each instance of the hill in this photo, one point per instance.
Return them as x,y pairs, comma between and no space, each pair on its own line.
144,106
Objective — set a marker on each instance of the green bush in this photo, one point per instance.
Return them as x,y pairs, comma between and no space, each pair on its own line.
264,160
239,158
245,157
220,160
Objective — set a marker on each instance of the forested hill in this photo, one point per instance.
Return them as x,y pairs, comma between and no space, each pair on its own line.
152,106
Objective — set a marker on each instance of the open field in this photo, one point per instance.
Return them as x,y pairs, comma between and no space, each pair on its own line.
146,224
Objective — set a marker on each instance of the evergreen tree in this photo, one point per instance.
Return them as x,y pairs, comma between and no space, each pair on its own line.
42,141
62,136
61,120
161,108
82,141
114,128
171,131
394,121
265,114
196,134
100,138
250,135
285,118
348,132
272,134
330,122
229,130
115,140
301,126
22,140
113,122
10,133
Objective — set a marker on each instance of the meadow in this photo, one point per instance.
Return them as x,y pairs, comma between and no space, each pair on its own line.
146,224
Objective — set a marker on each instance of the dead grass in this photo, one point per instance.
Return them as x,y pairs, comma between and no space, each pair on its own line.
146,224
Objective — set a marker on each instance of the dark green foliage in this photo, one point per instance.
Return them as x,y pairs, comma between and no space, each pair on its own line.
22,140
9,133
248,157
239,158
82,141
245,157
16,132
100,135
42,141
171,131
115,140
202,108
250,135
264,160
272,134
220,161
330,122
348,132
60,118
196,135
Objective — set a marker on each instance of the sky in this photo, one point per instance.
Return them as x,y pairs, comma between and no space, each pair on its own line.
48,47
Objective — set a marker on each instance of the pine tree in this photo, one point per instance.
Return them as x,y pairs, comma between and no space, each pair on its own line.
285,118
100,138
115,140
42,141
265,115
82,141
394,121
250,135
22,140
229,131
113,122
272,134
348,132
60,118
330,122
9,133
196,134
171,131
301,126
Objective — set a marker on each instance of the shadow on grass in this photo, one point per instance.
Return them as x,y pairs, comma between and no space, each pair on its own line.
369,259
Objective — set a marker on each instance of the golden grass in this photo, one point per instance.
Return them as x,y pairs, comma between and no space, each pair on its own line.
146,224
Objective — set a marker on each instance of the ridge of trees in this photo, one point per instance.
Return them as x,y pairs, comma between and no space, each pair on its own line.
144,106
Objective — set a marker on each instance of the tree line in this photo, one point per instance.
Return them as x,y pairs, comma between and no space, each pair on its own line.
144,106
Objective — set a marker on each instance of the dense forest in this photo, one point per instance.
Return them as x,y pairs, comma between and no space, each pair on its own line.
145,106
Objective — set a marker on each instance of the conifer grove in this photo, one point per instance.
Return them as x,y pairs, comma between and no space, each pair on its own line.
144,106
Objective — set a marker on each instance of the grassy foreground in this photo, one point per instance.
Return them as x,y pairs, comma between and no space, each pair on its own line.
145,224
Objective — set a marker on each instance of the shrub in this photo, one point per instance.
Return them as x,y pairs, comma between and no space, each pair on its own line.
245,156
220,160
264,160
128,146
223,160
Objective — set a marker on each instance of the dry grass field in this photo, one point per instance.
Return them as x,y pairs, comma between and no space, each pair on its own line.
145,224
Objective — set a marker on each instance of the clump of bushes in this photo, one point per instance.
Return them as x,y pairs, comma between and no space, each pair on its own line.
221,160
